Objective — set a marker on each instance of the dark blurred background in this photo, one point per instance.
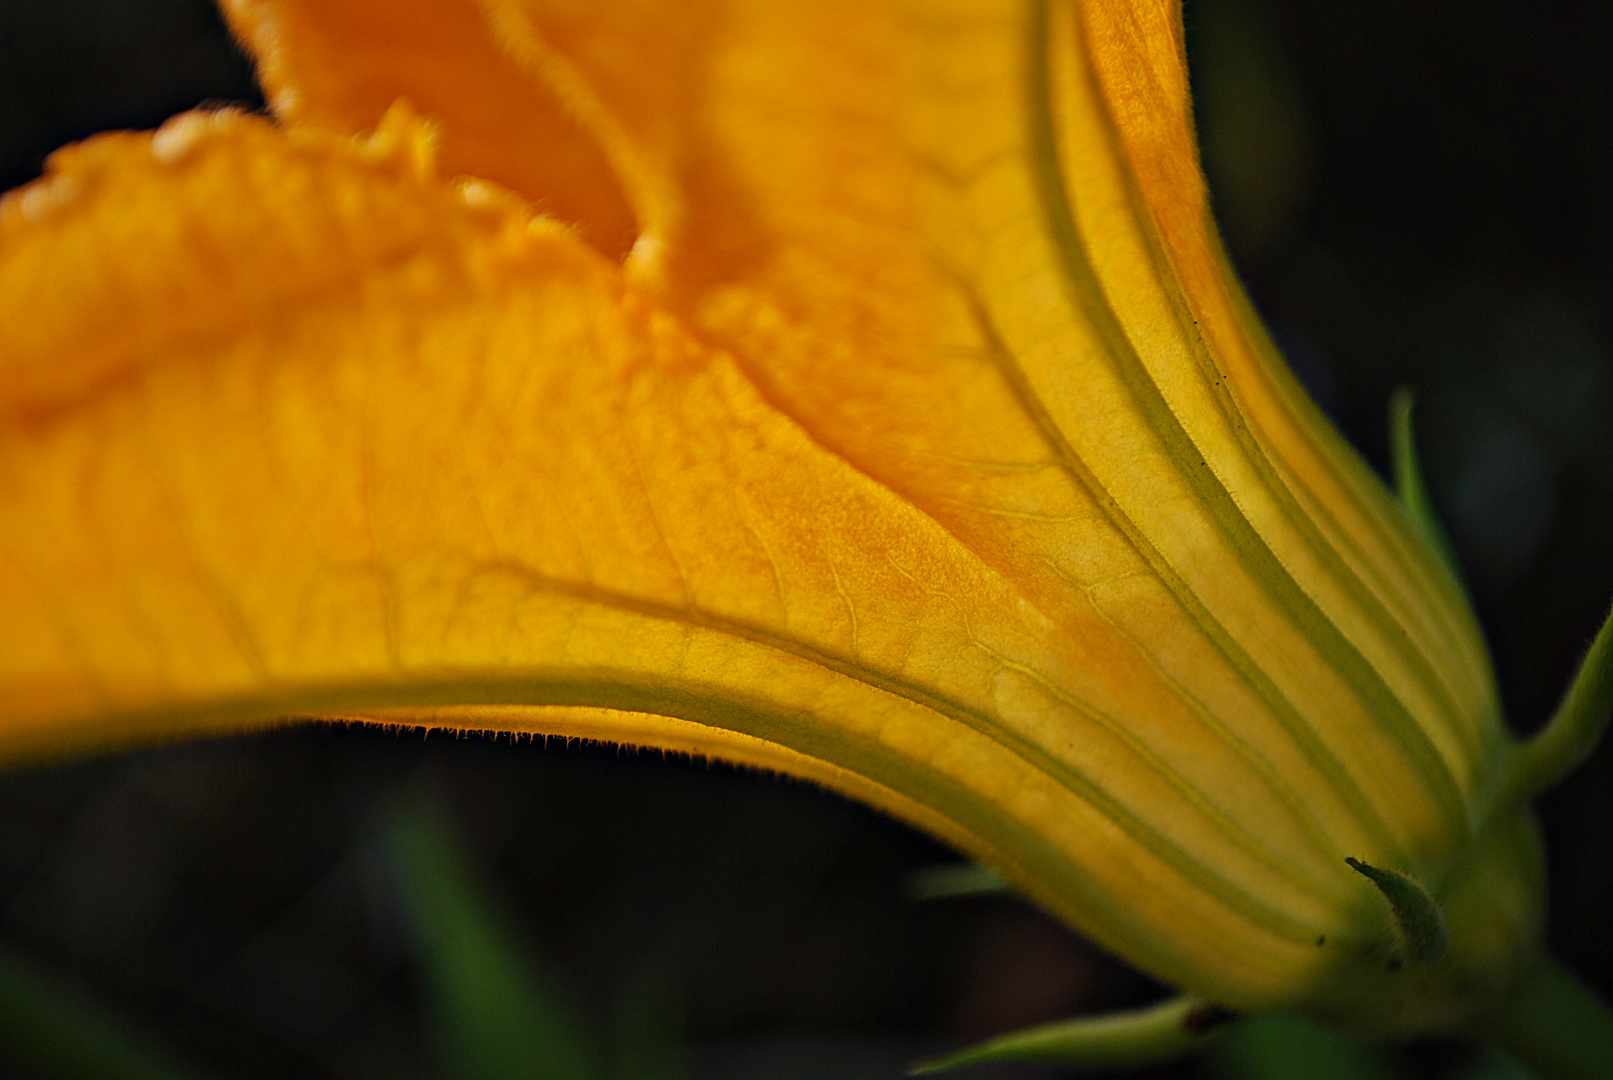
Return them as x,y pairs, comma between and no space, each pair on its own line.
1416,194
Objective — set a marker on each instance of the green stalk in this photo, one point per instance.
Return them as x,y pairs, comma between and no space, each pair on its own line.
496,1016
1163,1032
1556,1026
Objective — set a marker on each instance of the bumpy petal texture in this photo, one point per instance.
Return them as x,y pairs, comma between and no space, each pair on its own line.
922,445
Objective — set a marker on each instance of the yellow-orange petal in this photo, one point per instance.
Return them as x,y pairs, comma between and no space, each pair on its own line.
965,244
843,170
290,428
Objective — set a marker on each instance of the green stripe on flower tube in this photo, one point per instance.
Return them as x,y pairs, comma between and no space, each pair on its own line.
916,442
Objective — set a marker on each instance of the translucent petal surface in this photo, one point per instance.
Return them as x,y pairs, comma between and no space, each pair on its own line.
338,439
921,447
966,245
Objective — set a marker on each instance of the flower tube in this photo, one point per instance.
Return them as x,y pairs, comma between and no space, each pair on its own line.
856,391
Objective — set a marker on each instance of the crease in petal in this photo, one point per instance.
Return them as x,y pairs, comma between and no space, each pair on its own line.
648,186
340,64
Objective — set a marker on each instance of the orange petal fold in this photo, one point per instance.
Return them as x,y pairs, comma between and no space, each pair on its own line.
340,64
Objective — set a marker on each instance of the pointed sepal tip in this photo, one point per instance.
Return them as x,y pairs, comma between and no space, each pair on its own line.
1418,918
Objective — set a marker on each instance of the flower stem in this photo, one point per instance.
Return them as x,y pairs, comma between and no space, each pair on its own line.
1556,1026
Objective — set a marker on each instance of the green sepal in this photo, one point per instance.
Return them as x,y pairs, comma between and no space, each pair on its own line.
1574,731
1409,485
1171,1029
951,880
1423,936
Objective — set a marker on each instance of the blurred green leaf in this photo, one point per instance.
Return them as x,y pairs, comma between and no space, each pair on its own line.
496,1015
1288,1047
647,1032
951,880
55,1033
1498,1066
